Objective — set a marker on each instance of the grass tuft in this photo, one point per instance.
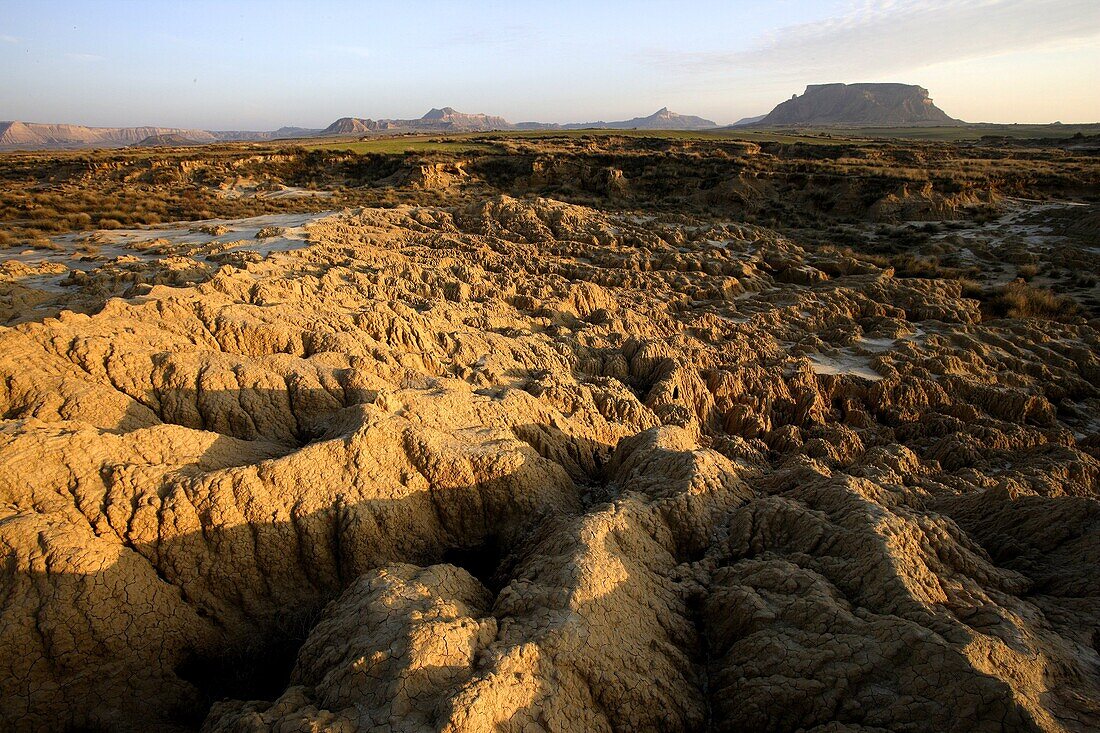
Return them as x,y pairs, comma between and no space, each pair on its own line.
1017,299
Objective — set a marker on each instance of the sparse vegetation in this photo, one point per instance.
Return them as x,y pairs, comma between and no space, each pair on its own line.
909,265
1027,272
1017,299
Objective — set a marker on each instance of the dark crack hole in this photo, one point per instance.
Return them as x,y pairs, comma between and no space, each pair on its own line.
482,561
257,670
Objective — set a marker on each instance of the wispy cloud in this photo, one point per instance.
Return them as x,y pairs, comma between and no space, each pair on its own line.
84,58
5,38
872,38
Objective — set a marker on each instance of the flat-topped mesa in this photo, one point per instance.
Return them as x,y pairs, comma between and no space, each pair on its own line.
859,104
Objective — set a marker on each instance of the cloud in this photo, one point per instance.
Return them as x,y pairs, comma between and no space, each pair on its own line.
873,38
5,38
84,58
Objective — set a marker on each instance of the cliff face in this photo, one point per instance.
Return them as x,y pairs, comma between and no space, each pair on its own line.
859,104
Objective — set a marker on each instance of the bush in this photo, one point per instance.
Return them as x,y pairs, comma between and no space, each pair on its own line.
1017,299
971,288
1026,272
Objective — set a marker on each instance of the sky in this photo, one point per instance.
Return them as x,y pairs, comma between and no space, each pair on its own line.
262,65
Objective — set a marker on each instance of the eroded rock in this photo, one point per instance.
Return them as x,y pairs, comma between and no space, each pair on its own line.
523,465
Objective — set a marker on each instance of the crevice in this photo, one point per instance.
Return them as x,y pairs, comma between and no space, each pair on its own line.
701,655
260,668
483,561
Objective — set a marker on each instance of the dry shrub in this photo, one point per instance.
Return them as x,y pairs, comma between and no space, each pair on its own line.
1017,299
971,288
910,265
40,242
1027,272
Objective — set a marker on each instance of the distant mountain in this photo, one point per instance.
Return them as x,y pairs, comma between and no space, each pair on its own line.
452,119
446,119
859,104
350,126
662,119
281,134
747,121
171,139
537,126
31,135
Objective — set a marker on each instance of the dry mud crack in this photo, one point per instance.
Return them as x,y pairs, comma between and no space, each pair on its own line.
524,465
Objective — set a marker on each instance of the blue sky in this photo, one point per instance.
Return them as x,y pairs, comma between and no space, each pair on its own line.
260,65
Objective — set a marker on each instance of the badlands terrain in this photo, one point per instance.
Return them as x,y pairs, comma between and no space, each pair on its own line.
551,432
